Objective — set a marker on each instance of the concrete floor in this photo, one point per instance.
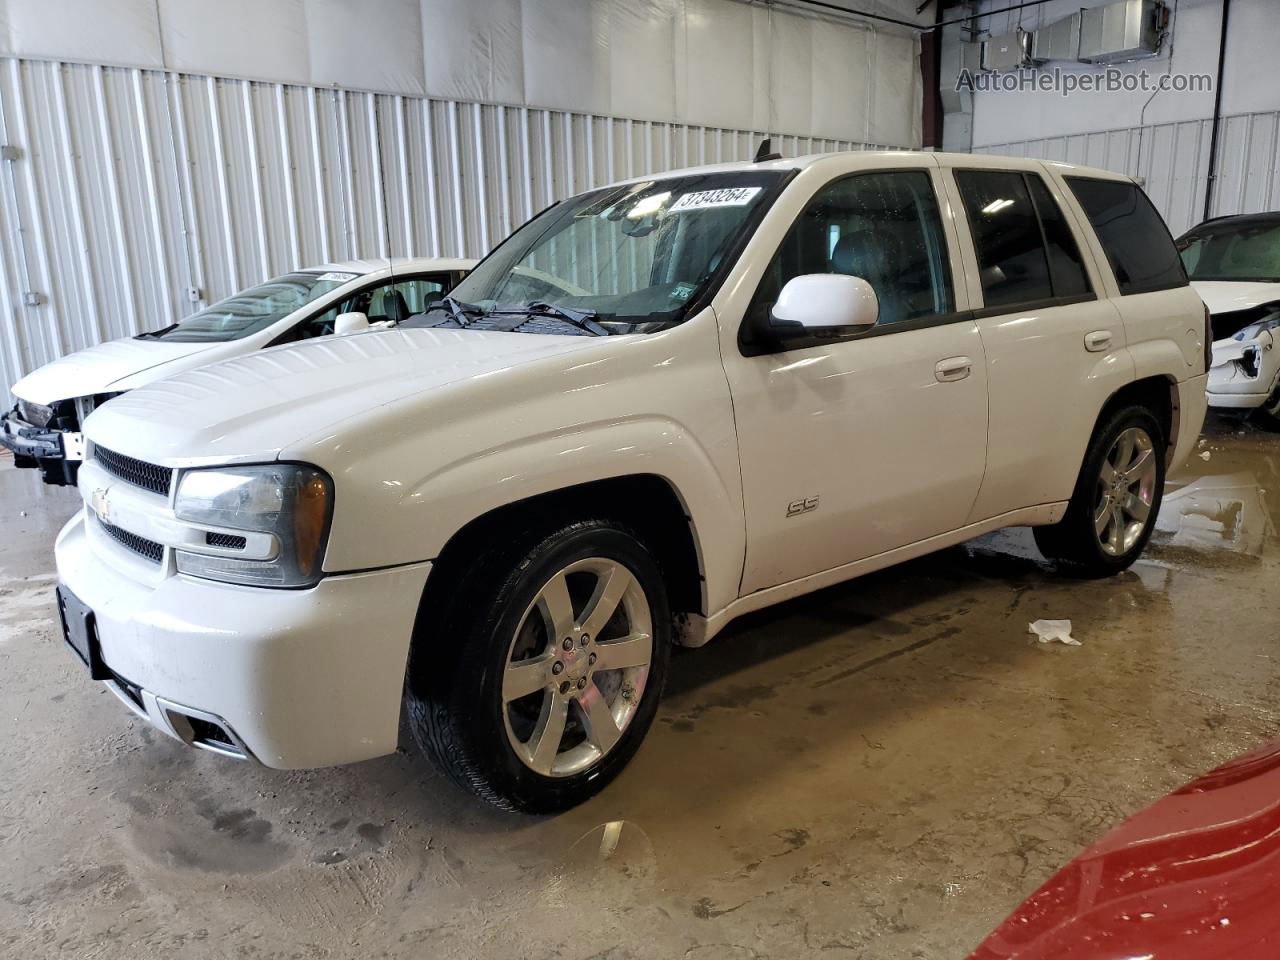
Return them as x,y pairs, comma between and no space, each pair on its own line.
882,770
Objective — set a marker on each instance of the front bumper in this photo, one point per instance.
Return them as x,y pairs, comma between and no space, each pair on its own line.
1245,372
299,678
55,452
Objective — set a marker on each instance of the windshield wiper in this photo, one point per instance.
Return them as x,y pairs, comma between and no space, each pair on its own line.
459,311
155,334
582,319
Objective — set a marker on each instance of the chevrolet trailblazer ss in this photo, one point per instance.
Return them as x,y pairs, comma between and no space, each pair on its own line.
655,407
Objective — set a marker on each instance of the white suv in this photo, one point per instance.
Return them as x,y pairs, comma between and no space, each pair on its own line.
655,407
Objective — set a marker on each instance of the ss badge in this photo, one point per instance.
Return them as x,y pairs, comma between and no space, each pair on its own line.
797,507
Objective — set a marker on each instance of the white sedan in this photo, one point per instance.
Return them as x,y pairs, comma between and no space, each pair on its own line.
1234,264
43,429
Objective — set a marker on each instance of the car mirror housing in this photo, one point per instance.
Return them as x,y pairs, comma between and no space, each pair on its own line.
824,303
350,323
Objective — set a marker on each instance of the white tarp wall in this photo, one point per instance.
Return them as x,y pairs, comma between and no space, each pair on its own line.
143,182
1163,138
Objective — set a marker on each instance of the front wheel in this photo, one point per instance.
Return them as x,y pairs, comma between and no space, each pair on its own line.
548,670
1267,416
1117,496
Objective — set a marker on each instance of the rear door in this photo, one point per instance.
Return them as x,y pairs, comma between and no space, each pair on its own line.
1162,314
1053,342
853,447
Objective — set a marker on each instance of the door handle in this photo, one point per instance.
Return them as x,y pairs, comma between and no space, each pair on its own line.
1097,341
952,368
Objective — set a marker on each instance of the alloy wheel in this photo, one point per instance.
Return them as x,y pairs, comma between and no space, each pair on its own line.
576,668
1126,489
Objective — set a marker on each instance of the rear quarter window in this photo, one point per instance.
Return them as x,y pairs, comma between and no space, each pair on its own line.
1133,235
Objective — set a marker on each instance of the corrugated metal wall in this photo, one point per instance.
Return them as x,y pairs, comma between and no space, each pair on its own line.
124,189
1173,159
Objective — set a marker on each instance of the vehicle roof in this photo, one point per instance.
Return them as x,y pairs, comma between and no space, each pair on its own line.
1240,220
888,158
398,264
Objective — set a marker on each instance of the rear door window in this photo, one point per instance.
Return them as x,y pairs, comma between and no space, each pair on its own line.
1135,238
1066,267
1026,251
1013,263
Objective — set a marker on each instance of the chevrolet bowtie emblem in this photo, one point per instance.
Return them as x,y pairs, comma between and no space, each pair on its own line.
101,506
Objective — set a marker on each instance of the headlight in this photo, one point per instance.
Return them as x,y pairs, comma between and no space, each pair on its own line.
284,510
36,414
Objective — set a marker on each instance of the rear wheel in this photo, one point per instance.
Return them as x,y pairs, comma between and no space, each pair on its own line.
548,669
1117,496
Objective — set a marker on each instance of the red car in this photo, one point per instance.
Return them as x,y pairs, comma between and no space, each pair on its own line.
1195,876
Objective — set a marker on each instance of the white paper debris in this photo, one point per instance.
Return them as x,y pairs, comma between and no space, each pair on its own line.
1205,455
1048,631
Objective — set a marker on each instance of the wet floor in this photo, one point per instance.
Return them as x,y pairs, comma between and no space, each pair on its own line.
881,770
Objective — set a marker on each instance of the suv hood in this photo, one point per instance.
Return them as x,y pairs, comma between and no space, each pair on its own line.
250,408
1227,296
99,369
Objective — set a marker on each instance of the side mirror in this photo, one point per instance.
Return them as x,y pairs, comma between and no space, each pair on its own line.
350,323
824,303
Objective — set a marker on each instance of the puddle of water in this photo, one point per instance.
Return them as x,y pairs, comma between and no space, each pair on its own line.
1221,512
617,853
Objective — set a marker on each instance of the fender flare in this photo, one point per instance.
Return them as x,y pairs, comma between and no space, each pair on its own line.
429,511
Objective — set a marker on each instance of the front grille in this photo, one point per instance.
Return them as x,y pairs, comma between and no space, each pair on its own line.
228,541
148,476
147,549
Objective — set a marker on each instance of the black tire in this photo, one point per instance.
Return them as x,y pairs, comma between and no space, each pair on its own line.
1073,543
454,684
1267,416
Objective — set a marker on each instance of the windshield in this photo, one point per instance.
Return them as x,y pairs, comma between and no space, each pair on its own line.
623,259
254,309
1233,251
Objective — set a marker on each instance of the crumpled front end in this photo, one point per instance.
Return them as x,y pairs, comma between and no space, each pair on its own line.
1245,371
45,437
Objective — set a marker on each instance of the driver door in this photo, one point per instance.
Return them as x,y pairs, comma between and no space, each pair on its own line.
853,447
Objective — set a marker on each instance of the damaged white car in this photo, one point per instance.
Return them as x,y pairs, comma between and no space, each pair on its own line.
1234,264
43,428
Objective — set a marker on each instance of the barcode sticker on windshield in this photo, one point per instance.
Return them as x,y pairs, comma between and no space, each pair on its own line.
339,277
703,199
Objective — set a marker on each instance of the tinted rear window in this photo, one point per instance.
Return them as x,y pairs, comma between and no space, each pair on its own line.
1135,238
1065,265
1012,261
